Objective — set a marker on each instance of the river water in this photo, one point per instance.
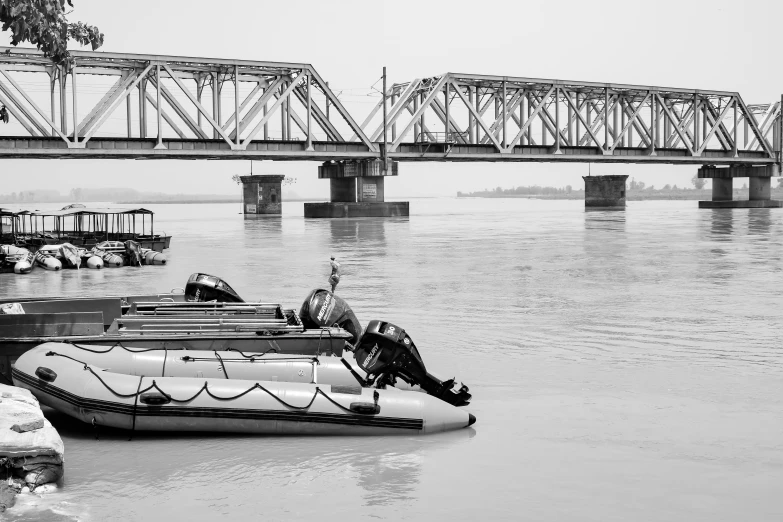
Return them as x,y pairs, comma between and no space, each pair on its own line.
624,366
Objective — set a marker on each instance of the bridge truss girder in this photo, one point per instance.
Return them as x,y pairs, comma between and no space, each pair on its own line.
456,116
166,103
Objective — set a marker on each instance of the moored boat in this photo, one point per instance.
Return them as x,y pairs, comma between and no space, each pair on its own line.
151,257
181,318
394,361
110,259
18,259
80,226
105,397
92,261
46,257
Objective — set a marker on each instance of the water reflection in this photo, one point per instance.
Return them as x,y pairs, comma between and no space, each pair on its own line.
605,239
760,222
262,228
388,477
387,470
722,265
605,219
722,223
356,231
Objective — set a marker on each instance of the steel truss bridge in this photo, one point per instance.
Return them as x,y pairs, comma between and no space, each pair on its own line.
191,108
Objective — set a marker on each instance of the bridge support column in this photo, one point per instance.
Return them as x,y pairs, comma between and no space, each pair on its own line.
605,191
722,189
262,195
343,190
357,190
760,191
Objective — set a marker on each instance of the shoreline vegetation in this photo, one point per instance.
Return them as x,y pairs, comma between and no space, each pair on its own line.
635,191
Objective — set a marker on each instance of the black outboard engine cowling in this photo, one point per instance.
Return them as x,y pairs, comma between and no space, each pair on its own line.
385,350
205,287
323,308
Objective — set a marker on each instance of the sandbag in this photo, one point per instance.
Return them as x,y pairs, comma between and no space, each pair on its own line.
18,408
11,309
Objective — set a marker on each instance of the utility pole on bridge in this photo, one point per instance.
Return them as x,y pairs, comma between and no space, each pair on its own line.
384,156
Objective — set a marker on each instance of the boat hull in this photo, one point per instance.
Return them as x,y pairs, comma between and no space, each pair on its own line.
154,258
23,267
299,343
104,398
215,364
112,260
48,262
94,262
18,259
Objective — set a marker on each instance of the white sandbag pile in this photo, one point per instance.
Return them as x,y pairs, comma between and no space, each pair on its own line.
31,450
11,309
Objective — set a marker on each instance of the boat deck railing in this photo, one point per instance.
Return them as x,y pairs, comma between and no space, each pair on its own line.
193,317
208,328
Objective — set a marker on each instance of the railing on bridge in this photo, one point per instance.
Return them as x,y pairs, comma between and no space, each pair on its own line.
174,107
442,137
522,119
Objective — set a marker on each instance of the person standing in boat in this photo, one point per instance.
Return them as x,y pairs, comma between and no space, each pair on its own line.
334,278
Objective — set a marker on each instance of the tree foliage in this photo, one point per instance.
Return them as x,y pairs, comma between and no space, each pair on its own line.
698,183
43,23
636,185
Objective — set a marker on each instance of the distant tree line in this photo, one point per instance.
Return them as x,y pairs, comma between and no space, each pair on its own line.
532,190
632,185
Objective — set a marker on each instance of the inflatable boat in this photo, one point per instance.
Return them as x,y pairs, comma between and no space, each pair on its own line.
150,257
110,259
19,259
46,258
106,396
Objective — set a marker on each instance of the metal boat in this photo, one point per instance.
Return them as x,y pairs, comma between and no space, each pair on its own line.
206,315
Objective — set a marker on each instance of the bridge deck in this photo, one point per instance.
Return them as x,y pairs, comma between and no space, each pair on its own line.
136,148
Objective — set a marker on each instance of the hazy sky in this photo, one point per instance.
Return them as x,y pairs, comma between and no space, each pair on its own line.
716,44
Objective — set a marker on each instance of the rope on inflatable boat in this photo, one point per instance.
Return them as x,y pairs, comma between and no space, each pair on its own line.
115,345
205,388
135,403
311,358
222,364
255,354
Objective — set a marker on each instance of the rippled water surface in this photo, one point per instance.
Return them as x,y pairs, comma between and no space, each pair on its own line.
624,366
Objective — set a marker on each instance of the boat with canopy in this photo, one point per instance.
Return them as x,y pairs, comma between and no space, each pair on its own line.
82,226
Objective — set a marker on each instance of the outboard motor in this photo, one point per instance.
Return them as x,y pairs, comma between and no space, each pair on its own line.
385,351
323,308
204,287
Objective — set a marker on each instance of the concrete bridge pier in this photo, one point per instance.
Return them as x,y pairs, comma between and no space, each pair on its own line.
356,190
760,186
607,192
262,195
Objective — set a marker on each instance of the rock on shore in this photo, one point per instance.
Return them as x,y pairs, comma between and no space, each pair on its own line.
31,450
